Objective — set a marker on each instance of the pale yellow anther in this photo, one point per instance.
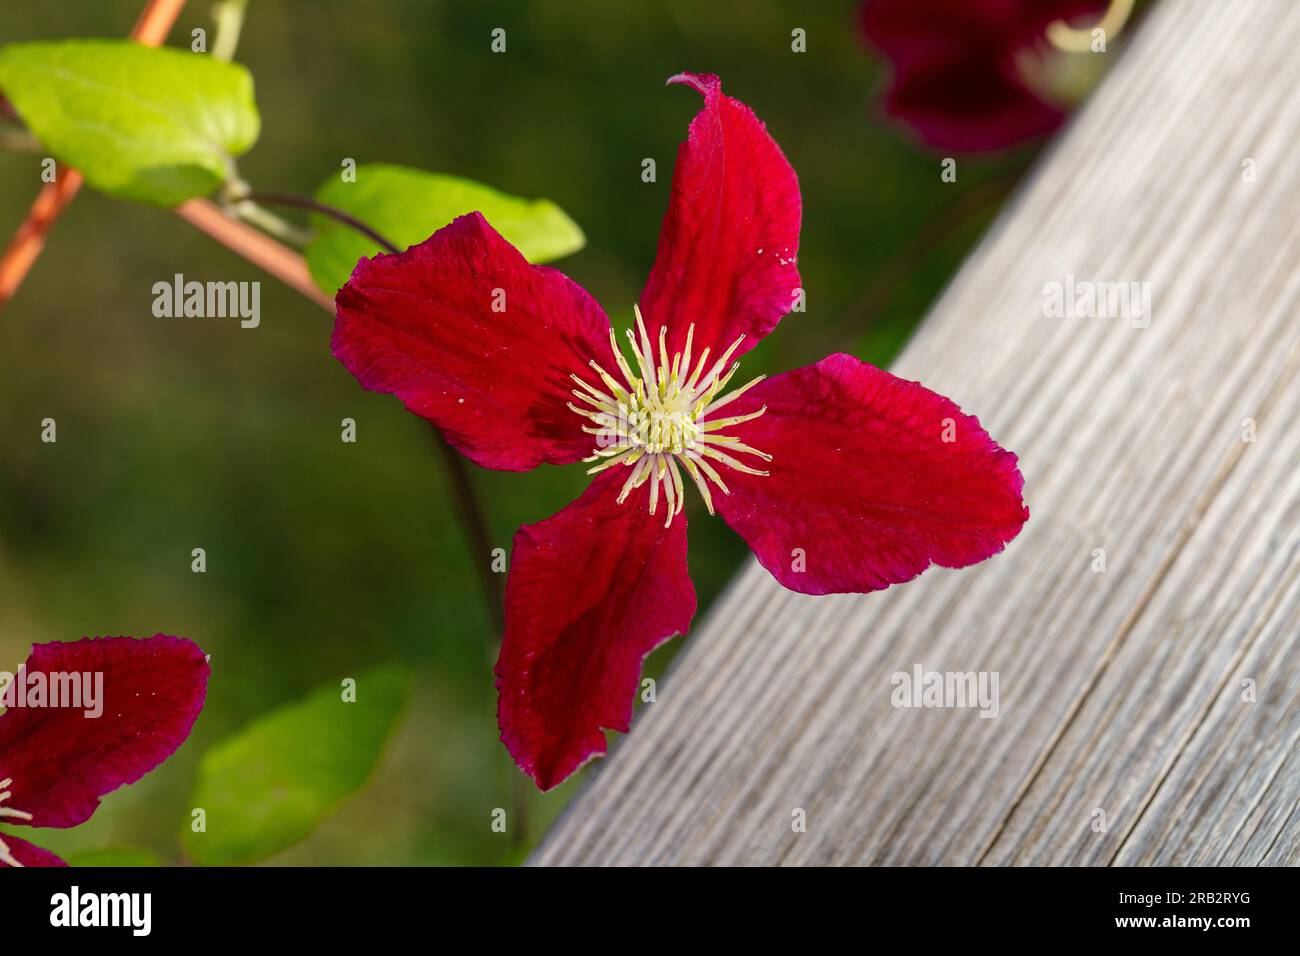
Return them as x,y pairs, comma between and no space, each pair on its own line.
656,422
6,856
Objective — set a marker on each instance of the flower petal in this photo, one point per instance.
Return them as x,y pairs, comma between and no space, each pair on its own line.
908,31
472,337
62,759
969,106
592,590
864,490
956,78
727,249
28,854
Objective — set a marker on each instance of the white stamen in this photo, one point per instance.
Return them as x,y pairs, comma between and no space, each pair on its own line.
6,856
653,422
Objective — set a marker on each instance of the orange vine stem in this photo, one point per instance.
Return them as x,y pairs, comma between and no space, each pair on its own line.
151,29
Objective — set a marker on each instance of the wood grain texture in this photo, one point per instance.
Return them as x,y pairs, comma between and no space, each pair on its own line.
1121,691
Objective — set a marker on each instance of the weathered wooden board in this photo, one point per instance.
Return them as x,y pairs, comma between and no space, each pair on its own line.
1124,692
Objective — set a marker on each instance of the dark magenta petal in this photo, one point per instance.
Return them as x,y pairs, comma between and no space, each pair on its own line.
472,337
592,590
864,490
956,80
969,106
28,854
727,249
63,759
907,31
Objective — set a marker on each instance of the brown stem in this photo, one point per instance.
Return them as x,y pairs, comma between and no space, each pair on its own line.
305,202
29,241
476,529
151,28
289,267
155,21
257,247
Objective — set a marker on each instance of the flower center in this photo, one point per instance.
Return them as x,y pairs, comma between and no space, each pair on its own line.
659,419
6,856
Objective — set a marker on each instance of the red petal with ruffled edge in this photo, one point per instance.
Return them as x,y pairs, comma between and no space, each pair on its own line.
28,854
62,761
472,337
727,249
956,78
862,481
592,590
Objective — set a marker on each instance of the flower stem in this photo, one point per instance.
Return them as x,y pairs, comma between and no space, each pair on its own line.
151,29
338,215
269,222
475,527
289,267
229,17
271,256
468,507
257,247
155,21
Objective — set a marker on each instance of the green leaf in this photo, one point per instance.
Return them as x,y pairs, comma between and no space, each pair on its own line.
407,206
115,856
268,787
156,125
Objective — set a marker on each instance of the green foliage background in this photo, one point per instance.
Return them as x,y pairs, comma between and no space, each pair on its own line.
325,558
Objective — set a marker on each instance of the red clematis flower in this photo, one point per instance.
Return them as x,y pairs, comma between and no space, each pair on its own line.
57,760
974,75
837,475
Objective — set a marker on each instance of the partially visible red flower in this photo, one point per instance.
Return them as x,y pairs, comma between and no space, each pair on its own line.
964,76
841,477
57,761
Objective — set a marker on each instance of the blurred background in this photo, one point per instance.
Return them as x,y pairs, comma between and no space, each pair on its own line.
324,557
